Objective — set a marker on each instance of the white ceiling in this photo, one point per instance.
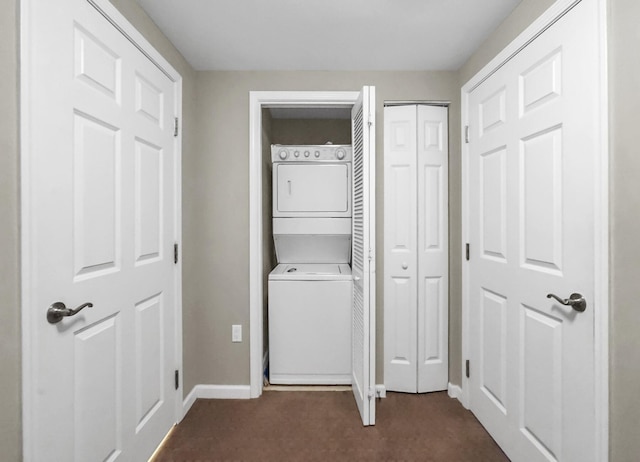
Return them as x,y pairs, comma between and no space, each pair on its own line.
327,34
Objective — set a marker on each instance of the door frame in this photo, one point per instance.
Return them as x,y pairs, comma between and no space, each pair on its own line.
257,101
27,232
601,195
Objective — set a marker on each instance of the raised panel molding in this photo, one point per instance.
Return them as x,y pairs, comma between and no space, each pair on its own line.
541,83
149,328
541,201
493,112
400,191
493,354
96,64
541,375
432,320
402,320
433,207
148,186
96,197
149,100
433,136
98,383
493,204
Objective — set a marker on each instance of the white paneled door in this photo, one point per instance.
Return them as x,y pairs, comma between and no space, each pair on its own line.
416,249
102,224
532,154
363,255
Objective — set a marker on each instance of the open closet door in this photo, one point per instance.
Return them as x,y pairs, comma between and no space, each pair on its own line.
363,263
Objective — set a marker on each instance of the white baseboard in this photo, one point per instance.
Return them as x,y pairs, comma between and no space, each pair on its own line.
454,391
215,392
381,391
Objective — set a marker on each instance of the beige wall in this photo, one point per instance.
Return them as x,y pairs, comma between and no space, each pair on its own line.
519,19
222,296
10,370
311,131
624,113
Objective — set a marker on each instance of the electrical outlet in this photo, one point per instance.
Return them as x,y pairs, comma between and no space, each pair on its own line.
236,333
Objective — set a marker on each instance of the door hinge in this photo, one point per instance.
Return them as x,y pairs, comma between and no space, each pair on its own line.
177,379
467,251
175,253
370,254
175,126
371,394
466,134
370,120
467,371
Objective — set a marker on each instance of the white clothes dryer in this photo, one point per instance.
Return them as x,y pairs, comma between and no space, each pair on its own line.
311,181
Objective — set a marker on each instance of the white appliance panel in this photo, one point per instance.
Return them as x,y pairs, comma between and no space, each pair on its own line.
311,188
310,332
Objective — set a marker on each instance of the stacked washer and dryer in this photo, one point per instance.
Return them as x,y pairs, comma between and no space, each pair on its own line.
310,289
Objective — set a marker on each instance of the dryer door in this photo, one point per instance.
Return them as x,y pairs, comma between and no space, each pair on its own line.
321,190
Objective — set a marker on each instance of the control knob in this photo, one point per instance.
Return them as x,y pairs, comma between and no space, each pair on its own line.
306,153
283,154
297,153
340,154
317,154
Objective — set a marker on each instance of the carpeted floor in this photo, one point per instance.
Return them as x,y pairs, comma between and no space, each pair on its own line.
326,426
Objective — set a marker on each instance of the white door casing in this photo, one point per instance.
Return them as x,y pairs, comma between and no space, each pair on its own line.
416,248
100,217
532,227
257,273
363,256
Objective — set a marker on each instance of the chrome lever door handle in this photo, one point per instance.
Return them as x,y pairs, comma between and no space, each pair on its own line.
58,310
575,301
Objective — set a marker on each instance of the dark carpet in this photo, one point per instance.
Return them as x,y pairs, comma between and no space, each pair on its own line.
326,426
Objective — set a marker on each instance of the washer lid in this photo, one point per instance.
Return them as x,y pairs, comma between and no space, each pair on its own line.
311,272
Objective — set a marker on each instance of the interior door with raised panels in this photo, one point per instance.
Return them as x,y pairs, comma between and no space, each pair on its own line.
416,250
363,255
433,248
400,249
531,230
102,159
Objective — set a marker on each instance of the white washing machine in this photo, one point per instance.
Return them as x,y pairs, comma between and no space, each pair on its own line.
310,290
310,324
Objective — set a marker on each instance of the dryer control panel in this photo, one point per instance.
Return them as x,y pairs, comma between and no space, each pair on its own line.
311,153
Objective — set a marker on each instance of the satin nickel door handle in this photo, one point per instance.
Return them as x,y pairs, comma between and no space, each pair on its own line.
58,310
575,301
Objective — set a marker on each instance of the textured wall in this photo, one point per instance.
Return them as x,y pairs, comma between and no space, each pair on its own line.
222,194
624,113
10,359
519,19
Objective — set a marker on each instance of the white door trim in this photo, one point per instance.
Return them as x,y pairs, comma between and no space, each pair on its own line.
601,194
258,100
27,232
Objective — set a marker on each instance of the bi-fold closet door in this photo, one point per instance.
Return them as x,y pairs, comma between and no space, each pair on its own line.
416,281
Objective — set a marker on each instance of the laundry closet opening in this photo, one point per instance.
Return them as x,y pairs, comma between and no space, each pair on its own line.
306,244
324,215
